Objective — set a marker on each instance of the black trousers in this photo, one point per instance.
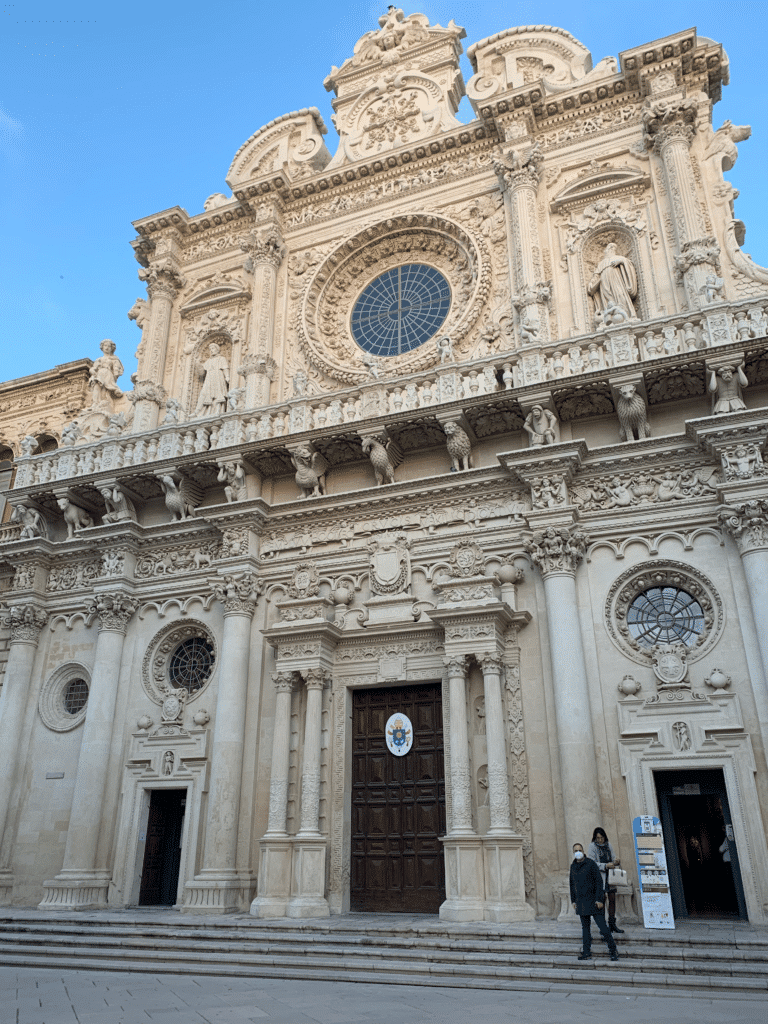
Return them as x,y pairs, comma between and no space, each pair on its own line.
586,931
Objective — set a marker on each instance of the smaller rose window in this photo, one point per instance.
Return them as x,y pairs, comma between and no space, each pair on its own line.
191,664
75,696
665,615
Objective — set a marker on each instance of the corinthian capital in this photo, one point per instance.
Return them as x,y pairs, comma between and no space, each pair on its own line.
283,681
238,594
162,279
456,666
315,678
557,549
747,524
25,622
263,245
520,167
113,611
666,121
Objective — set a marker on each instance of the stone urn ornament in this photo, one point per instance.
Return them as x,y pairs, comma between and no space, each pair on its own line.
718,680
629,686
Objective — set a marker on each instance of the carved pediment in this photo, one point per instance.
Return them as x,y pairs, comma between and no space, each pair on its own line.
291,146
213,291
600,180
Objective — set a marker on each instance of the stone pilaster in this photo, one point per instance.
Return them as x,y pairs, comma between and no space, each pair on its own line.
265,250
461,789
164,282
83,882
556,552
220,887
26,622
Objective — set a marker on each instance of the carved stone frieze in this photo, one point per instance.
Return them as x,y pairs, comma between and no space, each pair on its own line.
632,489
183,558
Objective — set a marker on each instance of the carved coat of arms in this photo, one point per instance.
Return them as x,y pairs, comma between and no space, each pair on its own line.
389,564
670,663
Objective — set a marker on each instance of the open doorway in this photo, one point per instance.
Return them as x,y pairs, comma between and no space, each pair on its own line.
702,858
162,852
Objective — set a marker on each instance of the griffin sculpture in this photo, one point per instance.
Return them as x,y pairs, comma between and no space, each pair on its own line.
182,495
385,458
311,468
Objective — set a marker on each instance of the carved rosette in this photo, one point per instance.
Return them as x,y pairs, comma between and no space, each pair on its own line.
25,622
113,611
462,257
747,524
238,594
557,549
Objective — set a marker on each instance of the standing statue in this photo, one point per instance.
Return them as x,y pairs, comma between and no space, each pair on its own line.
213,396
614,283
726,383
459,447
102,377
310,468
542,427
444,349
385,457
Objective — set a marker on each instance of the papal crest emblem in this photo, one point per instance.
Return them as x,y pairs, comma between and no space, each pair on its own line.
399,734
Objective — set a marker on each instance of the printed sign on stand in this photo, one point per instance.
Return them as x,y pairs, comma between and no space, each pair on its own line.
651,858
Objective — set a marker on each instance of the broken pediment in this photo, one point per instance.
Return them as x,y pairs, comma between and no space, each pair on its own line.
291,146
598,180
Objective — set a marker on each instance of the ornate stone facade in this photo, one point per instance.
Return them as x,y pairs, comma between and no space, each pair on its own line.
478,407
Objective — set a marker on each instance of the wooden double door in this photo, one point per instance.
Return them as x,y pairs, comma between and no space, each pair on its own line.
398,803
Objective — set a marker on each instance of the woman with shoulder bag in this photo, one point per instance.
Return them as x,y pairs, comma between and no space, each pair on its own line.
601,852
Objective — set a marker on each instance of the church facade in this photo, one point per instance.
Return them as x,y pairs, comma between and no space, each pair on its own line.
434,531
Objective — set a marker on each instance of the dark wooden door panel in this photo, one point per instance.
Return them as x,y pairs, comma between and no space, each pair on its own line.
398,803
162,852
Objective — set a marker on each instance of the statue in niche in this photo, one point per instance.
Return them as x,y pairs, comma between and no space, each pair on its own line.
725,384
168,762
542,427
102,377
213,396
614,283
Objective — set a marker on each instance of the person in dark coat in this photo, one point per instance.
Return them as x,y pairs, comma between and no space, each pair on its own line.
588,899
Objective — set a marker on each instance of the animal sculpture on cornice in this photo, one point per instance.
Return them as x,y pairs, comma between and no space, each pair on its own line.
311,468
182,495
385,458
459,447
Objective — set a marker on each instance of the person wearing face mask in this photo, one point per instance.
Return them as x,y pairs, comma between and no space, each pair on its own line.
601,852
588,899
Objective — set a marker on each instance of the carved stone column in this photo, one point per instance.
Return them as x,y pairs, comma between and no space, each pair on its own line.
274,887
309,850
265,253
521,183
748,525
164,282
498,778
556,552
461,790
26,622
83,882
220,887
670,126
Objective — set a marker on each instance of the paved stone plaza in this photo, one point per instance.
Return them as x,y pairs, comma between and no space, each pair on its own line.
34,996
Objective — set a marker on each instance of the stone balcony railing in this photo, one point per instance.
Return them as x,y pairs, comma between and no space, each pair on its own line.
552,366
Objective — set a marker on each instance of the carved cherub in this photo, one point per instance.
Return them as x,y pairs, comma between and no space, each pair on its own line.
311,468
445,349
459,447
372,364
529,331
29,444
385,458
75,518
182,495
172,411
234,396
712,289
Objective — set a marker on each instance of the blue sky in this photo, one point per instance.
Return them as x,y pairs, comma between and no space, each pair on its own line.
113,111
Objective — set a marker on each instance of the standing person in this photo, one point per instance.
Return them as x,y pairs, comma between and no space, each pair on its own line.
601,852
588,898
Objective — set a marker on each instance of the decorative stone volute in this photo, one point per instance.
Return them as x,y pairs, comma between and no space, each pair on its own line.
747,524
263,245
26,622
557,550
238,594
162,278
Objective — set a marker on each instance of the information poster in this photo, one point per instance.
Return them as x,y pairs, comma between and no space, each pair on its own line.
652,872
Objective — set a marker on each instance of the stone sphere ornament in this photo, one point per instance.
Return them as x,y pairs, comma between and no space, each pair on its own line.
201,718
145,723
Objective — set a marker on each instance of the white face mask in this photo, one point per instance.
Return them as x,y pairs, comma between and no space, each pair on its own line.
578,855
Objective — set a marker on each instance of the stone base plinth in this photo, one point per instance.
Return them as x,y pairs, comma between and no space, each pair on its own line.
274,888
625,908
217,893
81,891
505,880
308,881
6,887
464,879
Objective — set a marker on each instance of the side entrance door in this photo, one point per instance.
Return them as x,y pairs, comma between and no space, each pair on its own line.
398,803
162,852
702,858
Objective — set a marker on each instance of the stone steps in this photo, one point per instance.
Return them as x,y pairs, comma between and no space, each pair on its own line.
527,957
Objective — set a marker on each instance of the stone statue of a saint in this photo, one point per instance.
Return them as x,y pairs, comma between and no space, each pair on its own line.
213,396
102,377
614,283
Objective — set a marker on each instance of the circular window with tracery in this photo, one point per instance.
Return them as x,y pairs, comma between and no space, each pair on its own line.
183,656
663,602
401,309
63,698
191,664
665,615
